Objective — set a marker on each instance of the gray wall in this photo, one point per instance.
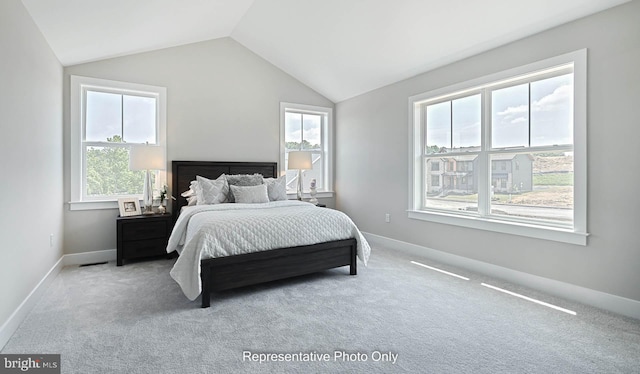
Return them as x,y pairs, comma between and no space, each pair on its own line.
223,105
31,153
376,125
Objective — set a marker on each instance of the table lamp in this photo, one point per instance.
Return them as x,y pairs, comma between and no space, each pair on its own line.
147,158
300,160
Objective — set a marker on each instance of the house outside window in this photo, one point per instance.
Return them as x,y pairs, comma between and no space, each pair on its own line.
515,143
307,128
107,118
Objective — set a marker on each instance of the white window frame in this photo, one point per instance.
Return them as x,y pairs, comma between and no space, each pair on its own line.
574,235
327,143
78,87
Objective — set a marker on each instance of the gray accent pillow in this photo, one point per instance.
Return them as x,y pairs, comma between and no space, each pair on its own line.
242,180
210,191
250,194
276,188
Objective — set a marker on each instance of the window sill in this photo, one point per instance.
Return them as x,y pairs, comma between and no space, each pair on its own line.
93,205
113,204
513,228
306,195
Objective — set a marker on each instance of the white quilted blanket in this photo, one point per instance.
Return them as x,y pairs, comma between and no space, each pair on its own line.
208,231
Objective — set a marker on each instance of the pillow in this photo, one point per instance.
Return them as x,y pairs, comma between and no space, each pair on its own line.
250,194
210,191
191,201
190,194
242,180
276,188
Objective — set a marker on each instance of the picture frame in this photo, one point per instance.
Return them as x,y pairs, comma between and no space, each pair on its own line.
129,206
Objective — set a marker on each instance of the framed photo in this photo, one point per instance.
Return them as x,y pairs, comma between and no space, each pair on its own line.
129,206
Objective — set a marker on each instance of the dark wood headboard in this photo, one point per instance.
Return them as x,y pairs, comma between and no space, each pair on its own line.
183,172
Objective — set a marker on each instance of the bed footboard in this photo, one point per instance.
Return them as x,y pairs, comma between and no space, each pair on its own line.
225,273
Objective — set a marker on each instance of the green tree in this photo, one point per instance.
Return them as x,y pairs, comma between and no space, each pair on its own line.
108,171
305,145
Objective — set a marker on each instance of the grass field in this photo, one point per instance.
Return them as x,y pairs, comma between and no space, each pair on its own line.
553,179
548,196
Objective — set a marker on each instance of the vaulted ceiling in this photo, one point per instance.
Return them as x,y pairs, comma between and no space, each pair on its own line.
340,48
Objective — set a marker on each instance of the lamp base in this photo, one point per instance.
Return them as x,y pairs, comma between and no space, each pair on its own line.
147,195
299,191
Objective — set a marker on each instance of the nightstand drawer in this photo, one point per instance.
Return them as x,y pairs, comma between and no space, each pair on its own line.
142,236
144,248
144,230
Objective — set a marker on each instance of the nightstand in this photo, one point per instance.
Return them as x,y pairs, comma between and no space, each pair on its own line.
142,236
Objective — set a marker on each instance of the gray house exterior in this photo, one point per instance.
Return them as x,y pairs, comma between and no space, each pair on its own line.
456,174
512,173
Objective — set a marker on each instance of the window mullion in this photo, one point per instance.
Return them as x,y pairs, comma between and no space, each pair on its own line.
301,131
451,124
423,160
83,180
122,117
484,166
529,112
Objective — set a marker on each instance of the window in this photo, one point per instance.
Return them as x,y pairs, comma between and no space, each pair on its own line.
107,117
307,128
515,146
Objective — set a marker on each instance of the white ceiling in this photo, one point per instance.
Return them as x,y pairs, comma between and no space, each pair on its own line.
340,48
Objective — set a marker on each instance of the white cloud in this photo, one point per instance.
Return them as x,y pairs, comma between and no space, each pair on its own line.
513,115
514,110
560,97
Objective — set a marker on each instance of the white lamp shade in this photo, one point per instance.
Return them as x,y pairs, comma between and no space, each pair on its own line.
146,157
299,160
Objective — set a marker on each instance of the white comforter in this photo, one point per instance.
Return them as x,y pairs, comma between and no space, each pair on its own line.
209,231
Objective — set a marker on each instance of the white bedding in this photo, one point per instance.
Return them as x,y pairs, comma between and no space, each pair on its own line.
209,231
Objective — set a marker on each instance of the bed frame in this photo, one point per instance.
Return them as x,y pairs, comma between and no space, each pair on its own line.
225,273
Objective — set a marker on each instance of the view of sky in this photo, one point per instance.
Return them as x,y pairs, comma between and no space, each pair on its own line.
551,116
300,127
131,117
466,123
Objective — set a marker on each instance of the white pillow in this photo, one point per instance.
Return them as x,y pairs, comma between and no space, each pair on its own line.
276,188
191,201
210,191
250,194
190,194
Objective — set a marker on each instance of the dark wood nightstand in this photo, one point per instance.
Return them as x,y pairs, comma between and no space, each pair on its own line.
142,236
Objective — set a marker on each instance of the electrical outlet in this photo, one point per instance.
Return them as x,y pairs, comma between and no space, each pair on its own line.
387,217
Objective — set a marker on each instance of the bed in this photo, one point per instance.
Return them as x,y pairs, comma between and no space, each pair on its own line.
232,271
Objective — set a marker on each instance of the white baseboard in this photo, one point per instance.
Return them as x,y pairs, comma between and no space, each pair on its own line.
602,300
16,318
89,257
